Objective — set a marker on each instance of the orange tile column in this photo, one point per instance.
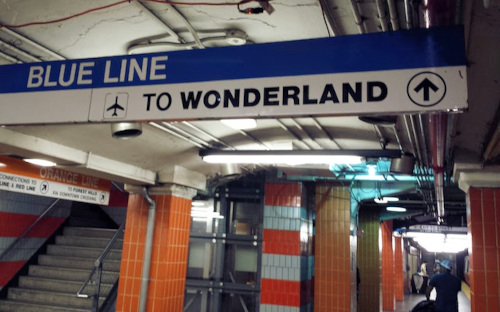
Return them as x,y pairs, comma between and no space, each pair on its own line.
388,298
483,223
398,269
332,278
170,250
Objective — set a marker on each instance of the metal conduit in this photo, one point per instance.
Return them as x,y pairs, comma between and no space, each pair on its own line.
162,128
19,51
32,43
437,13
357,16
207,134
320,126
186,134
298,138
148,250
381,15
393,15
10,58
306,133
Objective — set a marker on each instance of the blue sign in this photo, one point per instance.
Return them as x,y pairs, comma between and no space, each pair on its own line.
277,74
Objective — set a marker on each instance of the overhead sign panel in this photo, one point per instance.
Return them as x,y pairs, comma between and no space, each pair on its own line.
21,177
397,72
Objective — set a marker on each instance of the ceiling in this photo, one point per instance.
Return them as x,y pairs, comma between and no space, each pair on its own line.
35,31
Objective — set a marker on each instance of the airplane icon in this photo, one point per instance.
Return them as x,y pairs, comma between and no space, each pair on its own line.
114,107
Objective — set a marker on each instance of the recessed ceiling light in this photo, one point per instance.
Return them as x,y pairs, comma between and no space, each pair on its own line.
40,162
240,124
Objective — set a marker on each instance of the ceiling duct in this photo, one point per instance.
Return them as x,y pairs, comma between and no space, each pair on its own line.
403,165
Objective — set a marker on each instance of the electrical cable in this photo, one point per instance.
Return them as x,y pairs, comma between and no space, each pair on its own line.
63,19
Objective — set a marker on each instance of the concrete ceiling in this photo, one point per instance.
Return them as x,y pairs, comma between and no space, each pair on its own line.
35,31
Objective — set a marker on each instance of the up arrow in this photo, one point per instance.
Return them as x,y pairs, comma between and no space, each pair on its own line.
426,85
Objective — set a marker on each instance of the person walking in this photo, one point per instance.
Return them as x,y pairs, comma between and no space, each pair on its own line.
447,288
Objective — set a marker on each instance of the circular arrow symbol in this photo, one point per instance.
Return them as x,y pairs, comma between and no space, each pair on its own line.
426,89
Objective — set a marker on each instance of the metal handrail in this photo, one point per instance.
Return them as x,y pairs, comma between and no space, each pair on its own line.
98,268
28,229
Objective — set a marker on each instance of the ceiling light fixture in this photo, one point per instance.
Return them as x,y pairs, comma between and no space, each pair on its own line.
126,130
240,124
396,209
385,200
40,162
294,157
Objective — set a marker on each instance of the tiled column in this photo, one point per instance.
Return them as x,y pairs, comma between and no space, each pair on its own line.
169,255
483,223
286,278
332,280
398,269
368,259
388,298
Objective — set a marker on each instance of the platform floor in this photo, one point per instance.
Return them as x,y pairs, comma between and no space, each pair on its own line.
412,299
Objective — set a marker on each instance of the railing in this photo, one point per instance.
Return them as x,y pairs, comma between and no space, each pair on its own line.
96,273
28,229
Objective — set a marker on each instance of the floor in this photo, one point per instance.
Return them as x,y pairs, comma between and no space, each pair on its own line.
412,299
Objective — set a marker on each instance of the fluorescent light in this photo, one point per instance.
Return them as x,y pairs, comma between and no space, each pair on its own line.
385,200
240,124
40,162
396,209
294,157
283,159
372,170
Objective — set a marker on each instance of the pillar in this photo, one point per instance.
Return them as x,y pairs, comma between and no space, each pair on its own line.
332,280
388,298
483,225
286,257
169,255
398,269
368,259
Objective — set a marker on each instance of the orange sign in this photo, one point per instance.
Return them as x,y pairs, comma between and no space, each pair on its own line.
19,176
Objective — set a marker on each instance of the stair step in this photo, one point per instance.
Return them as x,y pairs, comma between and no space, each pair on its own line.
77,263
82,252
86,242
89,232
66,274
49,298
14,306
69,287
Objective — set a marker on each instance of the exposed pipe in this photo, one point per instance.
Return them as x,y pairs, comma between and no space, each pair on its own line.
393,14
19,51
161,44
320,127
207,134
32,43
162,128
148,12
306,133
409,14
148,250
357,16
329,17
10,58
381,15
438,13
289,131
188,25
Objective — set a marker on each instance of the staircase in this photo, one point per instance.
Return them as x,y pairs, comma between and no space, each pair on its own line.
52,284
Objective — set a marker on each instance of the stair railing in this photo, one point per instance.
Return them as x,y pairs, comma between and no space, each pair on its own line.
28,229
95,275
